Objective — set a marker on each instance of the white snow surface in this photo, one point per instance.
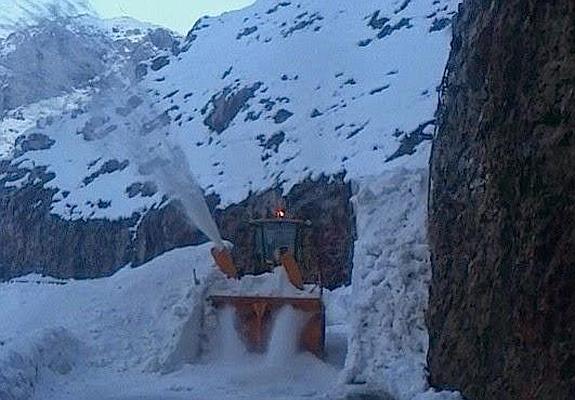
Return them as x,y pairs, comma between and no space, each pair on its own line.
388,339
349,97
21,119
128,337
272,284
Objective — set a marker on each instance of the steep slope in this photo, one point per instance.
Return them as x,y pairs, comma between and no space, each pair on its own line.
304,88
356,103
17,14
53,67
502,219
49,70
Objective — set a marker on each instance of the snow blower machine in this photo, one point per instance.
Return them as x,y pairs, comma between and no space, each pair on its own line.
277,255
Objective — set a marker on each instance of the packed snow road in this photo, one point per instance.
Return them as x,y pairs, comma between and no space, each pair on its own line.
302,377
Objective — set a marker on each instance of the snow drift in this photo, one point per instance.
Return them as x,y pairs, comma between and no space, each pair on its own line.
110,337
146,319
388,339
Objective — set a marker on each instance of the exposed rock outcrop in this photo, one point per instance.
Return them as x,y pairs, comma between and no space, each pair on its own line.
47,244
502,217
226,106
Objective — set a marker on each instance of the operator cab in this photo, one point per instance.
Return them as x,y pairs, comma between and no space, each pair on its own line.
274,238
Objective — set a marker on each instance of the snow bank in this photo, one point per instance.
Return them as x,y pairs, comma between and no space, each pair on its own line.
388,338
22,364
147,318
275,284
139,334
338,303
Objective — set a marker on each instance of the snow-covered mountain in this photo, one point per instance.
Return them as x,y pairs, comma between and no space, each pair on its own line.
19,14
55,65
273,93
270,95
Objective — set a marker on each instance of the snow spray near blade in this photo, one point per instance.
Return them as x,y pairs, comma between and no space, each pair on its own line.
285,336
141,134
231,347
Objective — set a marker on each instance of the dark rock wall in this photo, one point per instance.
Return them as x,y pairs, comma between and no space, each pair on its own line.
34,241
502,211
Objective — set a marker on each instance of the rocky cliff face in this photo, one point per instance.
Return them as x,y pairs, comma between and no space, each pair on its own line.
502,217
45,243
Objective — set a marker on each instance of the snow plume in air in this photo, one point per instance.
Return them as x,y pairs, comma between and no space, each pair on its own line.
284,339
230,345
138,132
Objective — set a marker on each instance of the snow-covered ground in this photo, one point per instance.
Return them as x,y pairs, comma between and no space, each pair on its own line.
302,377
139,335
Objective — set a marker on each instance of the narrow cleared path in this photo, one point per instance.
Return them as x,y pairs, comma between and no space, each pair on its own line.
302,376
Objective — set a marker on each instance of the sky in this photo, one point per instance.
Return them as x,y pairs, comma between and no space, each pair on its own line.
179,15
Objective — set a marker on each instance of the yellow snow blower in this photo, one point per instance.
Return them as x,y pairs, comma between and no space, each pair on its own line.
277,244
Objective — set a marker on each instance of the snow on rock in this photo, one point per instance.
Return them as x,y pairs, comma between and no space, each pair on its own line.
296,93
282,63
388,338
19,120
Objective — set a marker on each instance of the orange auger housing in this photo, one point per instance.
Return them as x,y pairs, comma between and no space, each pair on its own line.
256,314
277,242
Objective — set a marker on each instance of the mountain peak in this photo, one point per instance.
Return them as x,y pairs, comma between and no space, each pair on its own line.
16,15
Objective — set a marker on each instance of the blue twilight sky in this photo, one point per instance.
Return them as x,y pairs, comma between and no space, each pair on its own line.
179,15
